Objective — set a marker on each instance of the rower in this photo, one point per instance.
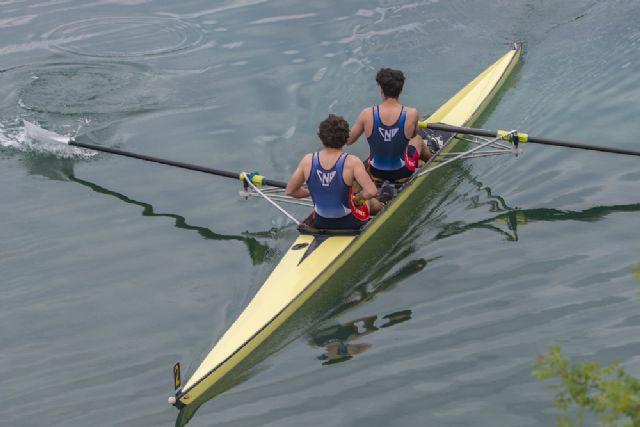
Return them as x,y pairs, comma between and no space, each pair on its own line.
392,131
338,183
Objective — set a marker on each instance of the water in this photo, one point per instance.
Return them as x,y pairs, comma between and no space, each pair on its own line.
113,269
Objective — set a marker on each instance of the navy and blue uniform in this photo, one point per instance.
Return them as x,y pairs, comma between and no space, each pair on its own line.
332,203
391,156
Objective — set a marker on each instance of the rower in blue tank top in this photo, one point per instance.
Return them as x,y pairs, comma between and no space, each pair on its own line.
338,183
391,156
391,129
328,190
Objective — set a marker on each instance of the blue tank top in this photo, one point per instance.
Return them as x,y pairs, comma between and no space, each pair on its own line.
387,144
328,190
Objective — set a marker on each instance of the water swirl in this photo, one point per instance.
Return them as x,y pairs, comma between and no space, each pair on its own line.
125,37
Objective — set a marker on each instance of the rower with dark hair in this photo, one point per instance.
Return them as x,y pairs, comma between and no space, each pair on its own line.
391,129
338,182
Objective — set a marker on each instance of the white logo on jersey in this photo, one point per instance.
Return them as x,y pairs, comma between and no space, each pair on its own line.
326,178
388,134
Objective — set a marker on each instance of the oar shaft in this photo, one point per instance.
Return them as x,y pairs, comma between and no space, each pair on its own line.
571,144
460,129
223,173
533,139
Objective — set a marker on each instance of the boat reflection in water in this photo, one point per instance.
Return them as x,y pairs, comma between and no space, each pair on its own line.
61,169
339,341
508,219
318,268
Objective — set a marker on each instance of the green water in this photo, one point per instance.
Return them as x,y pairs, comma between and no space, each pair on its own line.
112,269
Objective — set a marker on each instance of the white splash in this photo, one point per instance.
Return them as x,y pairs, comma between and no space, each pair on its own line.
31,138
37,133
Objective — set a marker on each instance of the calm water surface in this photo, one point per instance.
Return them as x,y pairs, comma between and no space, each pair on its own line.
112,269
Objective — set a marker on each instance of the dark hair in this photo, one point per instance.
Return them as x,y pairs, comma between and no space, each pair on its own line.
333,131
391,81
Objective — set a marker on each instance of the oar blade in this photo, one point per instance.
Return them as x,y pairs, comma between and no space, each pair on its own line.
47,137
36,133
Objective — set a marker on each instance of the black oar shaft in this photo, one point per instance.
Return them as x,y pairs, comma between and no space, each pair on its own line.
460,129
533,139
571,144
227,174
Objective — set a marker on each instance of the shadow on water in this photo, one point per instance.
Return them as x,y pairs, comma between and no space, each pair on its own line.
56,168
355,282
337,340
371,272
519,217
387,261
507,221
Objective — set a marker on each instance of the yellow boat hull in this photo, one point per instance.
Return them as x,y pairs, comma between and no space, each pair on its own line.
312,261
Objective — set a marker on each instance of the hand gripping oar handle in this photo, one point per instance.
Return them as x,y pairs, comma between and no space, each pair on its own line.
256,179
523,137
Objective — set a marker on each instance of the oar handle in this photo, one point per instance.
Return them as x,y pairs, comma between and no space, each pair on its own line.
523,137
256,179
457,129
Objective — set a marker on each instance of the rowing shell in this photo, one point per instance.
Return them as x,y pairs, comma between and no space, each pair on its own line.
313,260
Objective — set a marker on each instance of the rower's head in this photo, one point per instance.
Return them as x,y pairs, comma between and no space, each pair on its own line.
333,131
390,81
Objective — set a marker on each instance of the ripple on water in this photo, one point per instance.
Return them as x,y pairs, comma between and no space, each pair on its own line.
91,88
125,37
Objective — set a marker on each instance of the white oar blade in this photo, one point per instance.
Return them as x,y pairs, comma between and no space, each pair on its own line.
39,140
36,133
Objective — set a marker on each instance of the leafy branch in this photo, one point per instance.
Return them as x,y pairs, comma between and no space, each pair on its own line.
608,392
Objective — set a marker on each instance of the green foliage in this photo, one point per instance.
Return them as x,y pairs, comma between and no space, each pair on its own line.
608,392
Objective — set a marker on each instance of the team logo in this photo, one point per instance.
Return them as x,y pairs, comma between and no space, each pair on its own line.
388,134
326,178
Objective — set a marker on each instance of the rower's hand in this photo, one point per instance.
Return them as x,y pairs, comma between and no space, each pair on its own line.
358,199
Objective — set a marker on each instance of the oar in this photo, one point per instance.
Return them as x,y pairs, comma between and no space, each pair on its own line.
256,179
523,137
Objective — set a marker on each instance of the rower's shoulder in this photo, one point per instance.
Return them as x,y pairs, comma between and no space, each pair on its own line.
366,111
352,160
364,117
411,111
306,159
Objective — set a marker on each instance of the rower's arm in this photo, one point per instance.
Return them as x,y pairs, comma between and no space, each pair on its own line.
295,185
415,137
369,189
357,130
412,123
